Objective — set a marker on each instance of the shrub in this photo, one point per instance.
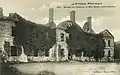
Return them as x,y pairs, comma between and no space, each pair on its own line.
46,73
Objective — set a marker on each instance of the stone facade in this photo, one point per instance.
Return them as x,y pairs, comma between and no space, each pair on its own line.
6,37
6,33
109,45
59,52
108,38
5,30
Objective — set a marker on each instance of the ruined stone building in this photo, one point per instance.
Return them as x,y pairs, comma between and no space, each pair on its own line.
109,43
69,42
107,36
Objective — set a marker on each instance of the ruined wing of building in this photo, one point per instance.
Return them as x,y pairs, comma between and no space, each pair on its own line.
67,45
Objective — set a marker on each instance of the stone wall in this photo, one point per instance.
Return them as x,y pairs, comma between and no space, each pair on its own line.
6,33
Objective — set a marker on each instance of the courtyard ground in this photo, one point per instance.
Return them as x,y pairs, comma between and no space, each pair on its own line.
71,68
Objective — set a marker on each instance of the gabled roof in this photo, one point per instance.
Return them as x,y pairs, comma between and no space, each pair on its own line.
106,30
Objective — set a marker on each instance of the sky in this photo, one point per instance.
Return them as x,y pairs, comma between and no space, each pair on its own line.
37,11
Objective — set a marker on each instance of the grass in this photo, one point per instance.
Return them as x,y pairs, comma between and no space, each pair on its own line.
70,68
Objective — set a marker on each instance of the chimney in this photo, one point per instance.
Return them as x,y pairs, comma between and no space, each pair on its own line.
72,16
89,19
51,14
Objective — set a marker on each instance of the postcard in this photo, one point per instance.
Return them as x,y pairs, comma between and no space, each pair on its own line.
59,37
